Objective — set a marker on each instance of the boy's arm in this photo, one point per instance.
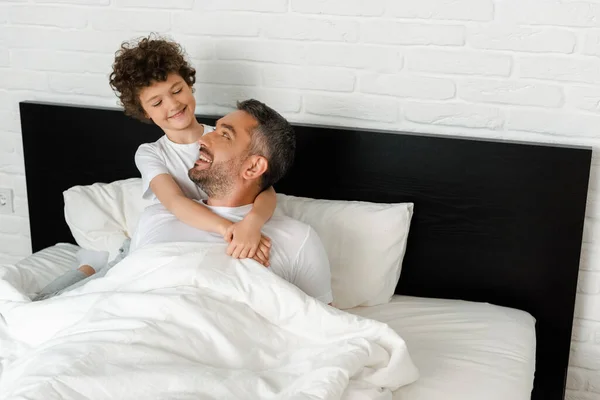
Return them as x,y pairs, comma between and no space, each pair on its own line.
245,236
263,207
186,210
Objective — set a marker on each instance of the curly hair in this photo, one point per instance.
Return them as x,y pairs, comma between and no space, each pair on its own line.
139,63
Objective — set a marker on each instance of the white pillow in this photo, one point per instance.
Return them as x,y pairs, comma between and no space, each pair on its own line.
365,243
101,216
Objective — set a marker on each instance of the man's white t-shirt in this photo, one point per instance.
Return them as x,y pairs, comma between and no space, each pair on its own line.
167,157
297,254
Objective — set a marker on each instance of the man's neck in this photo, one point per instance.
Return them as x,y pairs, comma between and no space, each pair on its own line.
232,200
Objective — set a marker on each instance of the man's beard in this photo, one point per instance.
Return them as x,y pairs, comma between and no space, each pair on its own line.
218,180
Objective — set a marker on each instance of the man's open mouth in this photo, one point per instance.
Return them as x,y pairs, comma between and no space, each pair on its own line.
204,160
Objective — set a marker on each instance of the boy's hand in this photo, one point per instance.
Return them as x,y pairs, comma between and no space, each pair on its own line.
246,241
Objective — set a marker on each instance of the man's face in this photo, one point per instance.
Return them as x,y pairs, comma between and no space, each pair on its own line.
170,104
222,154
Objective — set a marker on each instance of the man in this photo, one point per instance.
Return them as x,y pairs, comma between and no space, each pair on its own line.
250,150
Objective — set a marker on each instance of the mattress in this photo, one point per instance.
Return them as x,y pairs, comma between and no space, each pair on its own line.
464,350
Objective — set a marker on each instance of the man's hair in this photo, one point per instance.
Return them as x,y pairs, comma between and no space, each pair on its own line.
273,138
140,62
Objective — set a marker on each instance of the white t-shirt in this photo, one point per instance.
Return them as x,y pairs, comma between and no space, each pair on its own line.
167,157
297,254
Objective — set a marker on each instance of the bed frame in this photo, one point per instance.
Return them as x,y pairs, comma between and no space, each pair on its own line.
498,222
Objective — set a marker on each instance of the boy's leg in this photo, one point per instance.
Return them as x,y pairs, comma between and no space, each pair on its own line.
89,260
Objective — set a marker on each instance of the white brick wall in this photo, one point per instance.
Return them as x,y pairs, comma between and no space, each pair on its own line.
515,69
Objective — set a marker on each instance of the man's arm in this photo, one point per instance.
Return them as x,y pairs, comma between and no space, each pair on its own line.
312,273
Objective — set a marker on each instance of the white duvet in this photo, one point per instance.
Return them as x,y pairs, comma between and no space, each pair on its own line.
185,321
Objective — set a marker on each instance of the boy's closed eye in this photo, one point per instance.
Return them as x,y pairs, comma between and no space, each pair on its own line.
158,103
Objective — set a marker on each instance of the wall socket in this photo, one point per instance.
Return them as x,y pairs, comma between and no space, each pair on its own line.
6,201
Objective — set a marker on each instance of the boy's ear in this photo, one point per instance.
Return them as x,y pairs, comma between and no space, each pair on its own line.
254,167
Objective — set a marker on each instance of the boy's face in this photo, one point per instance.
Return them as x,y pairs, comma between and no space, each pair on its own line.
170,104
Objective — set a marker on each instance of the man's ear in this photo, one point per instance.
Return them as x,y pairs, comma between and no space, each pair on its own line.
254,167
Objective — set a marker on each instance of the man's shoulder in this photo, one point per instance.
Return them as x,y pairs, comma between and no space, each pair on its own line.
289,232
289,225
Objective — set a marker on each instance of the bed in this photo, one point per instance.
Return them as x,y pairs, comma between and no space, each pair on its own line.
489,277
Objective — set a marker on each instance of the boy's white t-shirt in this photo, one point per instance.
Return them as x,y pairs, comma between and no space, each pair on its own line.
297,253
167,157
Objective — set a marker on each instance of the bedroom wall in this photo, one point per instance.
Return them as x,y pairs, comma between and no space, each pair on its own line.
516,69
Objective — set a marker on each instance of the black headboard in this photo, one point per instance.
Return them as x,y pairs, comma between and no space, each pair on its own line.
494,221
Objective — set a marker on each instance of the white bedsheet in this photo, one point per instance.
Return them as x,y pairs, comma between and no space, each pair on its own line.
186,321
464,350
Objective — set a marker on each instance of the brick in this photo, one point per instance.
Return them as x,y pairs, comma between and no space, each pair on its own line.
46,60
387,32
591,45
218,24
555,123
52,39
510,92
315,78
227,96
279,6
10,121
75,99
417,87
582,330
576,379
262,51
14,225
364,8
14,245
590,257
529,39
463,115
197,48
228,74
585,356
469,10
94,85
366,108
11,163
591,229
460,62
5,100
169,5
4,57
580,396
588,282
61,17
22,79
587,306
560,69
594,382
130,20
550,12
384,59
3,14
309,28
584,97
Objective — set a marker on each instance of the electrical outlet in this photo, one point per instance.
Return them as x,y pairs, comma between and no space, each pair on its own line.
6,201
